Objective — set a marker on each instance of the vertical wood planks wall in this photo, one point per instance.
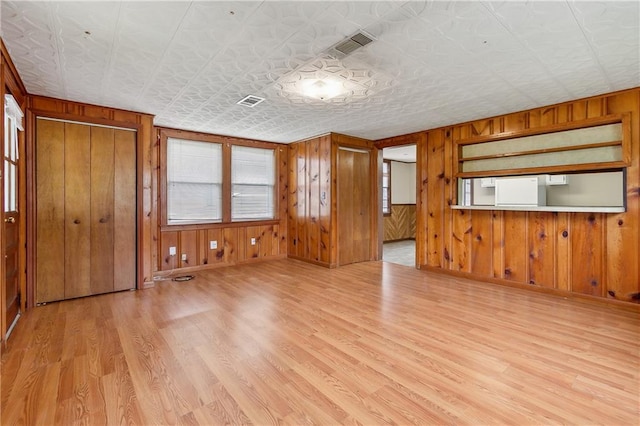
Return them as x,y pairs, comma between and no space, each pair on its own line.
313,200
233,239
586,253
310,198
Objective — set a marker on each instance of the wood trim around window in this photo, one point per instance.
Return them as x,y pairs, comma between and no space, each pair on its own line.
227,142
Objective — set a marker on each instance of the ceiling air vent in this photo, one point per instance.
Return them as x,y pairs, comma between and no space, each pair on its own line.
350,45
250,101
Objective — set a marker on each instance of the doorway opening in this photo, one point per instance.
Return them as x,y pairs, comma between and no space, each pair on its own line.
399,205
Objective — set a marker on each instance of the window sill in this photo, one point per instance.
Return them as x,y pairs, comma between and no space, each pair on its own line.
218,225
575,209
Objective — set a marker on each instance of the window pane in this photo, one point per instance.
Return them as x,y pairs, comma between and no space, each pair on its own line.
194,202
12,153
192,161
385,201
7,135
252,183
253,165
386,190
13,190
252,202
194,181
7,187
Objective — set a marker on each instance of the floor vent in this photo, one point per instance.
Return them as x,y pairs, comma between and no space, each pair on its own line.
250,101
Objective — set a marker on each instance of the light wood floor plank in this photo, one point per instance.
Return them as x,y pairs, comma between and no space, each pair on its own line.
285,342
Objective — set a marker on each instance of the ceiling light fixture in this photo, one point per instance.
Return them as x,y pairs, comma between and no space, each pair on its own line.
333,78
323,89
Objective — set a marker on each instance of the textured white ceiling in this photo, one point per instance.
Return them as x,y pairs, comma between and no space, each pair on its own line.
188,63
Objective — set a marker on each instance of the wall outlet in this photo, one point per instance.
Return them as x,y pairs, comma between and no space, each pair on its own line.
213,245
184,257
253,241
172,251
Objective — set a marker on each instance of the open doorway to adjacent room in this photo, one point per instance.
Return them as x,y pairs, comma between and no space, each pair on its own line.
399,205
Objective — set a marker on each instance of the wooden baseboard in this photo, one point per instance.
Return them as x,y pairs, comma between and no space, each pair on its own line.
314,262
181,271
614,303
148,284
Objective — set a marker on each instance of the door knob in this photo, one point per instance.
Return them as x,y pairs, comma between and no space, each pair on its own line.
10,219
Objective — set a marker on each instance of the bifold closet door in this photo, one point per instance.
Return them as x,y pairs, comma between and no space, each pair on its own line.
85,210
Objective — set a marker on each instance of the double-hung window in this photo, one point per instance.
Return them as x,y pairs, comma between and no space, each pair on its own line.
212,180
252,183
194,181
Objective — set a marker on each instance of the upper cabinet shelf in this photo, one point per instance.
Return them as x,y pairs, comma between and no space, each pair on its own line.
593,153
592,144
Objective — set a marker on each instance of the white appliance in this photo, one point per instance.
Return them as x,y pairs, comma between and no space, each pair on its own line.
521,191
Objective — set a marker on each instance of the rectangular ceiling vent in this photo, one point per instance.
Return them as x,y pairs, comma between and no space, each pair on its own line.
250,101
350,45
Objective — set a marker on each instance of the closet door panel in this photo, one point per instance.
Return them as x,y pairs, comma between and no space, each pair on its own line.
50,221
362,207
124,237
77,201
346,207
102,209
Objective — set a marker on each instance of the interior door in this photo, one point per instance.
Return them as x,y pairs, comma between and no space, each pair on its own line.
354,206
11,230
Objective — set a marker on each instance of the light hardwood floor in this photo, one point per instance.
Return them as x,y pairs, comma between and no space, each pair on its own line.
288,342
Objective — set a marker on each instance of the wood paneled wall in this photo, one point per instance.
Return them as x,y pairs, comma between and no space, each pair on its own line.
234,246
313,209
401,223
585,253
147,161
233,239
311,214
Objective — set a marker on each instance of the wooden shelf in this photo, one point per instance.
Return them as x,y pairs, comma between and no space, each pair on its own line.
577,209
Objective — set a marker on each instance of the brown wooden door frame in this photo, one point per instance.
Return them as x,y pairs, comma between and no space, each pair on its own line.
12,237
419,140
399,143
